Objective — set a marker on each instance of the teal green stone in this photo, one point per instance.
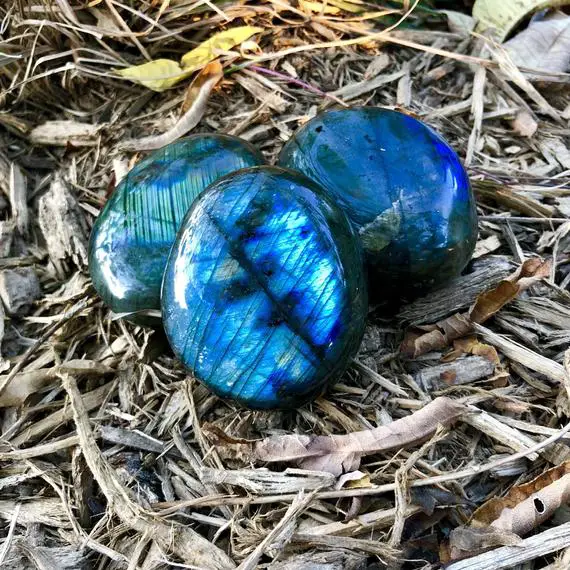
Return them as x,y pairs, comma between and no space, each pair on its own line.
403,188
134,232
264,297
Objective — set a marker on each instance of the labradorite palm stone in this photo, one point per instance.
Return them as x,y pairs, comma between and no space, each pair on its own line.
264,296
133,234
402,186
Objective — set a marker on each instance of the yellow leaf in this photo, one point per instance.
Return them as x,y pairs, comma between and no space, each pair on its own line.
353,6
361,483
157,75
210,49
318,7
505,16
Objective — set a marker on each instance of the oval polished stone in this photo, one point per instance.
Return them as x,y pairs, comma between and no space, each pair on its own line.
133,234
264,295
402,186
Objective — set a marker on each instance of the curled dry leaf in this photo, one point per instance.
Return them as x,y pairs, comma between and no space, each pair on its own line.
428,338
504,17
465,541
339,454
526,506
471,345
544,45
195,102
502,520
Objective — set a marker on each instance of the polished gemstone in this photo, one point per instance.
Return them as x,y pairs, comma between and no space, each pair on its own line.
133,234
402,186
264,296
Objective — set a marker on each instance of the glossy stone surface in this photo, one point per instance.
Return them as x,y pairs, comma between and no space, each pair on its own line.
264,296
133,234
402,186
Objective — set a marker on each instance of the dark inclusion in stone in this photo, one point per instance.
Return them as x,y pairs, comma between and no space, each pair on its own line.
264,296
133,234
402,186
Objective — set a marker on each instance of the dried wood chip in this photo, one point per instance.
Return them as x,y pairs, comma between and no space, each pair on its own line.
48,511
528,549
265,482
19,288
64,133
461,371
459,294
63,224
333,560
19,198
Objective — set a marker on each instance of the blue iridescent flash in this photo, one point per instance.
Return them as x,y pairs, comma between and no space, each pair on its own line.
402,186
133,234
264,296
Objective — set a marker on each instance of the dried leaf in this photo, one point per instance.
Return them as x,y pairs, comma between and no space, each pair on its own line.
504,17
458,22
309,7
528,505
214,46
489,303
524,124
544,45
485,246
502,521
339,454
158,75
441,334
471,345
466,541
197,97
353,480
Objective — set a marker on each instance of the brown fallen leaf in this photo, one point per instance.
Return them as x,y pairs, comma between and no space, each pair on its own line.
466,541
544,45
195,102
339,454
471,345
490,302
528,505
428,338
521,510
